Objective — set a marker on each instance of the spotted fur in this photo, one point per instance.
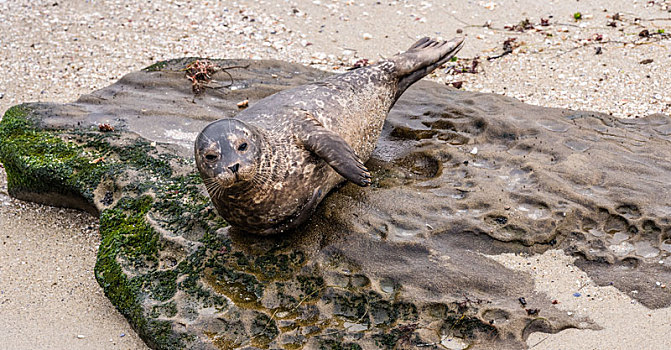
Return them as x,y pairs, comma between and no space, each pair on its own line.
301,142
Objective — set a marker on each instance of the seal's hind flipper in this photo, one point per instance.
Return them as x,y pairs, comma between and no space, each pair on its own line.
333,150
422,58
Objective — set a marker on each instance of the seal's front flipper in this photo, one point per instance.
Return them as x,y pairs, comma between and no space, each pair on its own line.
334,150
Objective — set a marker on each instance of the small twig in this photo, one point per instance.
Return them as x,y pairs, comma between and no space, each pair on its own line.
656,36
491,58
542,340
568,24
655,19
508,47
200,72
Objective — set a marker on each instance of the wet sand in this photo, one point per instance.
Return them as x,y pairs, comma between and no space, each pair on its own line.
48,295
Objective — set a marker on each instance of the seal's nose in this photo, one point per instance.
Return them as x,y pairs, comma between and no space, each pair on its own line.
234,168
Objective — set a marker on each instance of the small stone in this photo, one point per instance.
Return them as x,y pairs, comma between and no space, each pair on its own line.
105,127
367,36
474,150
243,104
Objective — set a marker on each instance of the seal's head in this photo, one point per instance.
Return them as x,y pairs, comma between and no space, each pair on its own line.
227,154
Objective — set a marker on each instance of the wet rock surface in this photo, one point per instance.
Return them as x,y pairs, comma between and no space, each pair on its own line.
457,176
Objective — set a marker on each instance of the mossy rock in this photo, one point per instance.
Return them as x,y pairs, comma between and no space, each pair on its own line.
399,264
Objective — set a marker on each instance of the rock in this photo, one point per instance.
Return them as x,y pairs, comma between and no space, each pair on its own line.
391,261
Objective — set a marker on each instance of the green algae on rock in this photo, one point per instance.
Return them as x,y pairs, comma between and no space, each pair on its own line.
399,264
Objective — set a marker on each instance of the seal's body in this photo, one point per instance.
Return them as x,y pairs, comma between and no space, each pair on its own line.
268,168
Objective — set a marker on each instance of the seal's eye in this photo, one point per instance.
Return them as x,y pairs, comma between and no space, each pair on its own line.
242,147
211,157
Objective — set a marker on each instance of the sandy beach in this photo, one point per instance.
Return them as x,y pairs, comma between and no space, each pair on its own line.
612,59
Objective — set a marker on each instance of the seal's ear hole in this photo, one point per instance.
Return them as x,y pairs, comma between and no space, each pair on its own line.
211,157
242,147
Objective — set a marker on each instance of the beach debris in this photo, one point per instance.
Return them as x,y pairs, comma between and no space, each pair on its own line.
545,22
555,302
2,95
367,36
457,84
80,336
243,104
532,312
199,72
576,294
465,65
122,335
105,127
508,46
489,5
647,61
360,63
97,160
521,27
522,301
577,16
598,50
644,33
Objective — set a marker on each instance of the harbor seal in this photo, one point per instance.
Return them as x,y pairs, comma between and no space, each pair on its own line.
267,169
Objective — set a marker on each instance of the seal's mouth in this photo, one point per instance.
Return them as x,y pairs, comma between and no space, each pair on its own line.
227,180
216,186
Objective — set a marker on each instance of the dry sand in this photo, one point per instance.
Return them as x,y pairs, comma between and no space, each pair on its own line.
57,50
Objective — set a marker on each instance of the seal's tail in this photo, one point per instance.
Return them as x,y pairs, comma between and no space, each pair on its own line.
422,58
